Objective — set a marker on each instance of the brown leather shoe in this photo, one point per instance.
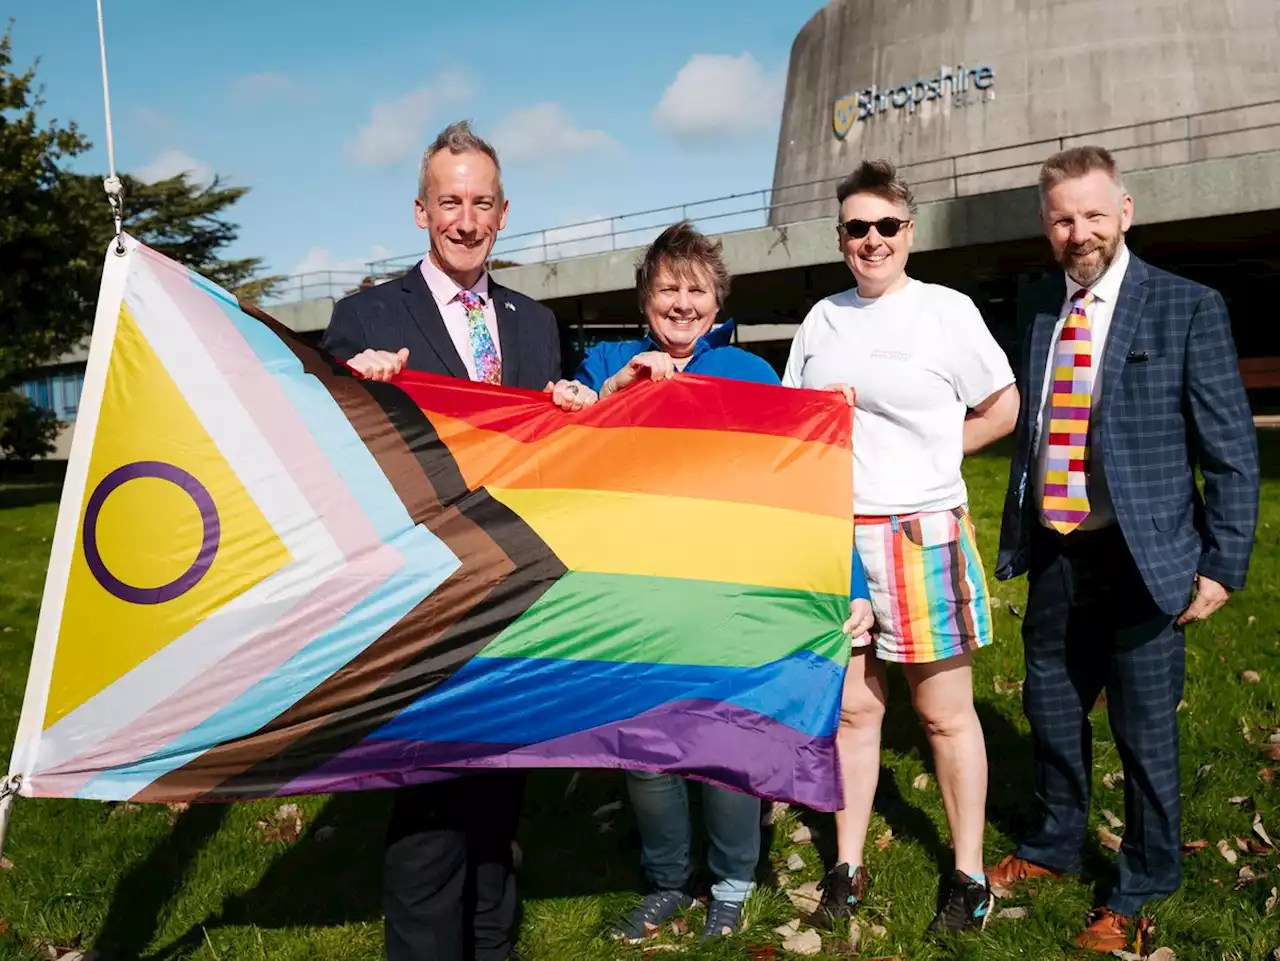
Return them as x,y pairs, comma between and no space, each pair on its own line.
1013,869
1108,932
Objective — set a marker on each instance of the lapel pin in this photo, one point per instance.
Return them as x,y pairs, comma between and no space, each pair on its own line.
509,305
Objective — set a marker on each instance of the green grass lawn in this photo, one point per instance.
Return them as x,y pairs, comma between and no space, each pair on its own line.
203,883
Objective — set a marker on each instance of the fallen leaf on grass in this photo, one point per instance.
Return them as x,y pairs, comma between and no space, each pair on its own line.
1194,847
807,942
1204,771
178,807
287,812
1012,914
1272,752
1250,677
921,783
6,864
1271,902
1253,619
1126,955
806,897
1162,954
878,931
125,807
1001,686
655,950
1273,738
1225,850
679,927
774,813
885,839
604,810
1145,931
1239,799
1108,840
4,926
1182,706
1245,876
1266,774
784,880
10,630
1259,830
1242,845
761,952
1111,819
1112,780
795,863
788,930
802,835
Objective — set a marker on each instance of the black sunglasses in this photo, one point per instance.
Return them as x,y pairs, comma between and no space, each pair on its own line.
885,227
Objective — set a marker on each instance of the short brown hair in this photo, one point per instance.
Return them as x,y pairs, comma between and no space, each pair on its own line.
457,138
1077,162
682,249
879,178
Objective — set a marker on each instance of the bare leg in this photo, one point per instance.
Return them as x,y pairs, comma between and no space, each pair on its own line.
858,742
943,697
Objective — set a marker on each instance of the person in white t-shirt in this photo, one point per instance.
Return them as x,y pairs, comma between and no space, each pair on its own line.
928,384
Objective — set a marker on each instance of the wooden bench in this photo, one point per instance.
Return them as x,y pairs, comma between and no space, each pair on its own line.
1260,373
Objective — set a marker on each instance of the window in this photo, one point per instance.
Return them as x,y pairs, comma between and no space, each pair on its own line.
57,391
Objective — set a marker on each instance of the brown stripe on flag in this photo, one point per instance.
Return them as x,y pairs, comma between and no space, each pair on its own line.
505,567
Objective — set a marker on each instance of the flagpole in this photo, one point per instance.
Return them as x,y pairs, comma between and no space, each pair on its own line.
8,791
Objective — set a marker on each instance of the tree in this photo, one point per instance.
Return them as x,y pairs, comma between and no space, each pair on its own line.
55,226
186,221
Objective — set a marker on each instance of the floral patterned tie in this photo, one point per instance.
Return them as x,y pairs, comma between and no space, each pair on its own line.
1066,483
488,364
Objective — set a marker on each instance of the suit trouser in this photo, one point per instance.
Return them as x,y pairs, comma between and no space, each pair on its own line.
1091,625
449,887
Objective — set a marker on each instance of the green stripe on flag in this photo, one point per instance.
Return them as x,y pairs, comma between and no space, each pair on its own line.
659,620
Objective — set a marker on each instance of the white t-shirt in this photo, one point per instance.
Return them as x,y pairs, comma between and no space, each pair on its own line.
919,359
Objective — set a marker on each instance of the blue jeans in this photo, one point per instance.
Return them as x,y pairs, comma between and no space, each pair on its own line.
661,805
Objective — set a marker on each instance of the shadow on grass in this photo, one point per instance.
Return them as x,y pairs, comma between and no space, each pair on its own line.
322,883
141,896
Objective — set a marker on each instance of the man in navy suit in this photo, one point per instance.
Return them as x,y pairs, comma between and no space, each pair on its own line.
449,883
1130,384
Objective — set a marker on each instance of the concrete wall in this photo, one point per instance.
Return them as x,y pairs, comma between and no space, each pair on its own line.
1063,69
1208,188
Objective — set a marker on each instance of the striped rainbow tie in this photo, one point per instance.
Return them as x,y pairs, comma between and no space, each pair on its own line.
1066,484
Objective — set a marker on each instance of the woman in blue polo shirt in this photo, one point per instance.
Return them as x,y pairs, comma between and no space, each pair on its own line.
682,283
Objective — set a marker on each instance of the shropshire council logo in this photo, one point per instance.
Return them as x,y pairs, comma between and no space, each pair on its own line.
846,111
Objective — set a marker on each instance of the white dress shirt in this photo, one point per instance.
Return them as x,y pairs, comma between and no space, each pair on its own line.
1105,291
445,290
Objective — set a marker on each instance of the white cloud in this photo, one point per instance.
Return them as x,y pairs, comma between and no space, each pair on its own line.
170,163
718,96
543,132
254,88
397,128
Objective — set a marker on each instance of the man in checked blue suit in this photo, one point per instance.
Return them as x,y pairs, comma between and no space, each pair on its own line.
1129,384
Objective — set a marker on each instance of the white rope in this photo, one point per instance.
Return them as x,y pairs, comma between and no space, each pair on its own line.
112,185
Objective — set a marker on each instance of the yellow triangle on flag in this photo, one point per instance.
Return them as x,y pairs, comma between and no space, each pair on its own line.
167,536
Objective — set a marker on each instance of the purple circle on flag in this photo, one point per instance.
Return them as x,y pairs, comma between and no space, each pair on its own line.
208,547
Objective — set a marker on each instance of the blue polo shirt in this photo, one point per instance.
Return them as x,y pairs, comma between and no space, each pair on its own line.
713,356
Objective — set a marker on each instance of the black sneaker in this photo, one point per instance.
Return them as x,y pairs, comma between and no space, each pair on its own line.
966,907
723,918
842,892
647,918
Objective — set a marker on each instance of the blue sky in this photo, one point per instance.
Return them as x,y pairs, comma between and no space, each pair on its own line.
323,108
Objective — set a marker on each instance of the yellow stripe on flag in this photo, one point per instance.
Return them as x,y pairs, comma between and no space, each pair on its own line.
1079,427
608,532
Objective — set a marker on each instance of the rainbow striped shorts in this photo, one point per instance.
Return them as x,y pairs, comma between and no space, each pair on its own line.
928,589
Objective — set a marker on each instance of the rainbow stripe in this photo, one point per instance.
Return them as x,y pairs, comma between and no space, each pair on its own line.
394,584
928,587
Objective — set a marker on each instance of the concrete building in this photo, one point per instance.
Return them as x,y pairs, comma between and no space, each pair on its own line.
968,97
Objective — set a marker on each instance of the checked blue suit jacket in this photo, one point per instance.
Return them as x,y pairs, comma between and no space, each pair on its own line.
1172,402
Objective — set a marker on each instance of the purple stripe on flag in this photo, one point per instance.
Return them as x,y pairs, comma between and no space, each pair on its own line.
1073,517
1055,490
710,740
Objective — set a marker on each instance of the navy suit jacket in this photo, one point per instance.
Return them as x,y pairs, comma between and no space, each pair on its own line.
402,313
1172,402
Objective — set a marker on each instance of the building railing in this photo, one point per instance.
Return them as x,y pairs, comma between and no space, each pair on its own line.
1140,146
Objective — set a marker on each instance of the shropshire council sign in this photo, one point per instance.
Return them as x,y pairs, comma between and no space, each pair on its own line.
959,83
